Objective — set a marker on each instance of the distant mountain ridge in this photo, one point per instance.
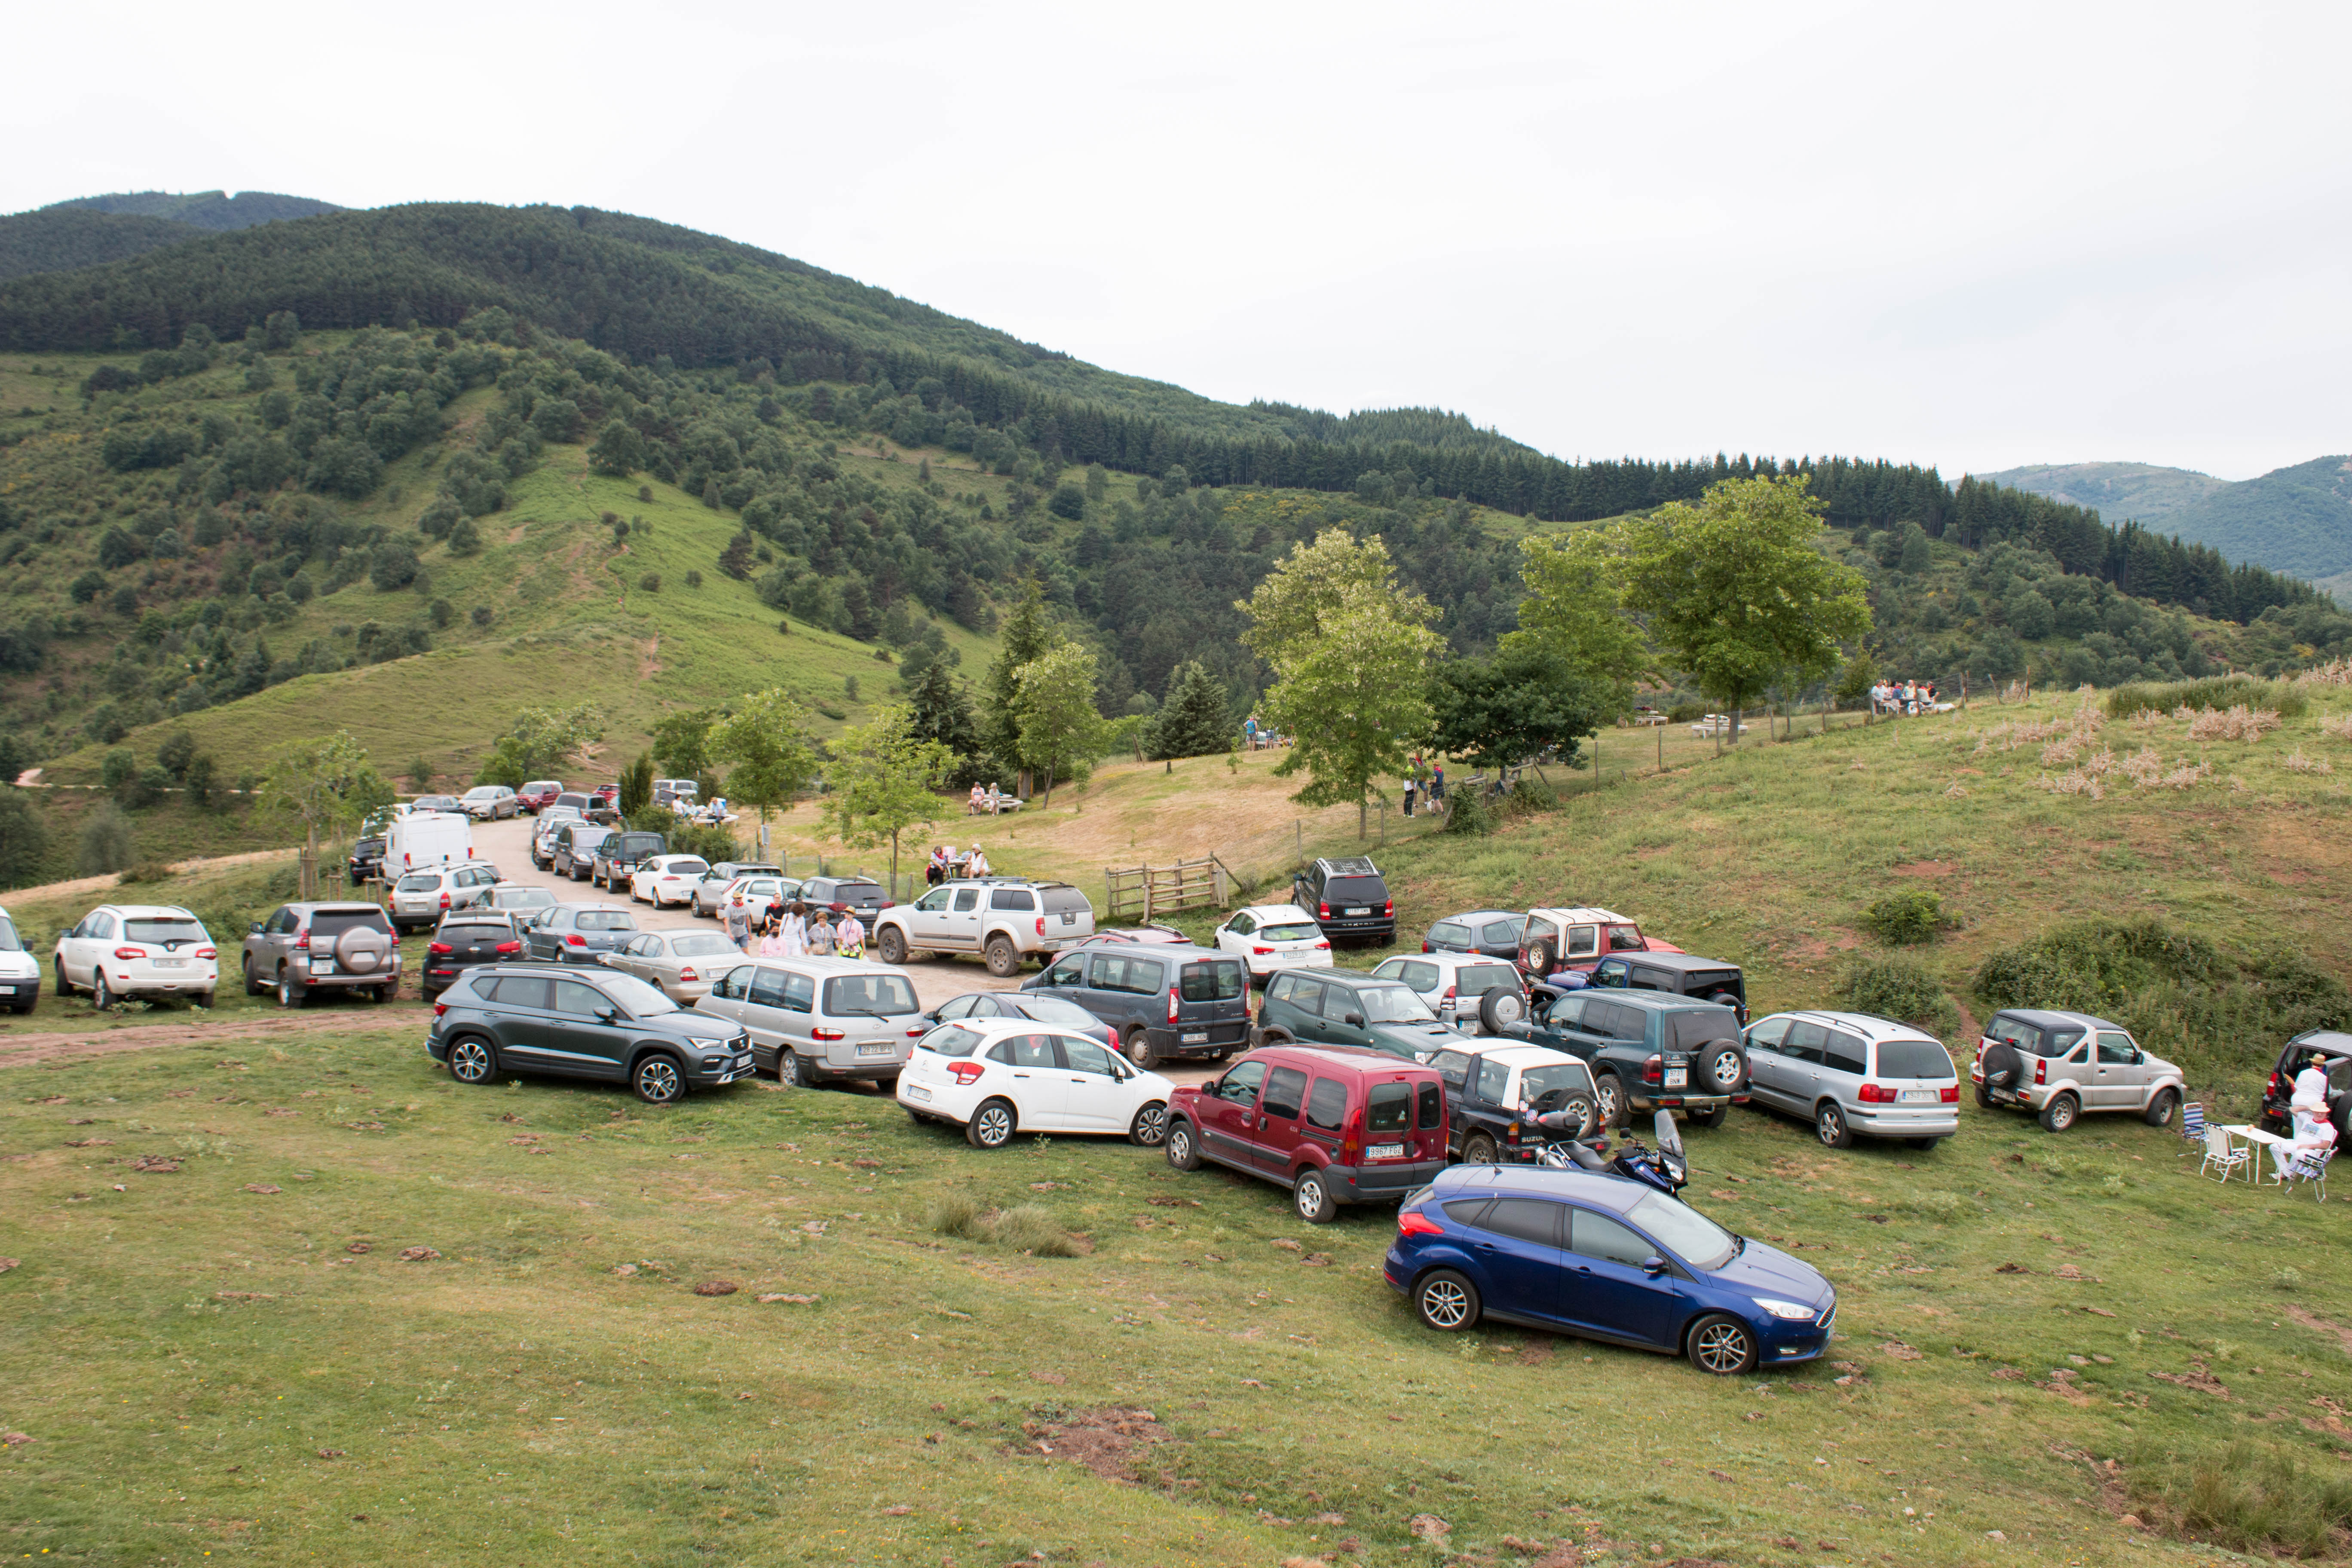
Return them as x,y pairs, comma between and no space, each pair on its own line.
90,231
216,211
2143,491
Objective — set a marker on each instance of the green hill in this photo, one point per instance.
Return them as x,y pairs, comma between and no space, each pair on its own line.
2142,492
2296,519
214,211
59,239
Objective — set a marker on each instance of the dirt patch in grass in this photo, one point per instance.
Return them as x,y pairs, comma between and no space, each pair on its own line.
28,1051
1108,1441
1926,869
2310,1320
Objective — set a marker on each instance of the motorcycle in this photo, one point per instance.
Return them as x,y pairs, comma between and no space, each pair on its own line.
1666,1167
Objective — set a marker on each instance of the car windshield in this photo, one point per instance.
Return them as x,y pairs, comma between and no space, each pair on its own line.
642,1000
1684,1231
606,920
9,940
1913,1058
1392,1004
1536,1082
1054,1010
701,944
1289,933
884,995
524,897
1626,939
165,930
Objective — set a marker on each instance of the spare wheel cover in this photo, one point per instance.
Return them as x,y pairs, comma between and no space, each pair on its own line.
360,949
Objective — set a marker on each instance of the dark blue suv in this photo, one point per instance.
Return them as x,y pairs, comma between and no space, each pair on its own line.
1605,1259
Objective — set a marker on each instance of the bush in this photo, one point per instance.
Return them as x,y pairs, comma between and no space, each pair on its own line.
1908,917
708,840
1470,814
150,872
117,768
105,842
693,578
23,840
2283,698
1901,989
2244,1497
650,582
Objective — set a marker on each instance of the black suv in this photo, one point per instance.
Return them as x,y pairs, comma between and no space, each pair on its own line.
1678,975
465,937
863,894
1348,900
1345,1007
367,860
2329,1050
618,856
1646,1050
542,1018
1161,1002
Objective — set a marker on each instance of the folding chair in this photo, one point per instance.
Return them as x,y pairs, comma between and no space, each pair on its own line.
2193,1123
2218,1151
2310,1168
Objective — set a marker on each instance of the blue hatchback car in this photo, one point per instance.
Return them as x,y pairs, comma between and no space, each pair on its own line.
1604,1257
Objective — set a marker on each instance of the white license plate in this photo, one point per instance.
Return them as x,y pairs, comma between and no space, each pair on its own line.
1385,1151
1200,1039
171,963
1359,911
882,1050
322,966
916,1092
1678,1078
1921,1096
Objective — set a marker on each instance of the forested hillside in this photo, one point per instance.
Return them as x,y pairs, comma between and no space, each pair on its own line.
58,239
2145,492
214,211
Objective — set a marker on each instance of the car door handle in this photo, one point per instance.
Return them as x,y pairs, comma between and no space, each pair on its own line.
1021,1074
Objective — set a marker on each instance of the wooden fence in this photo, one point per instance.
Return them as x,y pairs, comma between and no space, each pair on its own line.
1150,891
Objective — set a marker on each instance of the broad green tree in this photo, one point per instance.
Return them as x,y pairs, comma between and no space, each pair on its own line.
1498,712
540,742
765,741
1575,608
885,778
682,742
1053,703
328,784
1737,592
1350,651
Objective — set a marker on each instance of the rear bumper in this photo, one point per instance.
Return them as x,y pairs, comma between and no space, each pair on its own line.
1180,1043
1341,930
1945,1123
1387,1182
1640,1100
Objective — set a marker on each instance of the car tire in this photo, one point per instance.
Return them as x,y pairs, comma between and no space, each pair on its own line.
791,1072
1137,1047
1311,1199
1004,959
1715,1118
1479,1149
65,987
2160,1108
891,944
1183,1154
1149,1128
1925,1145
2060,1113
1984,1099
1727,1070
991,1126
1828,1125
289,993
100,996
252,988
1446,1302
658,1079
1609,1101
473,1060
1721,1345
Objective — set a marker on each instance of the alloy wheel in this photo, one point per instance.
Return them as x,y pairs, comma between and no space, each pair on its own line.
659,1081
1445,1303
1151,1125
1720,1347
469,1061
995,1123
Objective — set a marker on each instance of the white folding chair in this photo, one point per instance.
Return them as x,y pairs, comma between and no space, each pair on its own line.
2219,1151
2310,1168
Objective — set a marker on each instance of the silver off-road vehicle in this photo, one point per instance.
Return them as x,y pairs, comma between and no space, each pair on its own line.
302,948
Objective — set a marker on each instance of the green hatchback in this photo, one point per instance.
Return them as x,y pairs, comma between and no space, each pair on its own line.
1340,1008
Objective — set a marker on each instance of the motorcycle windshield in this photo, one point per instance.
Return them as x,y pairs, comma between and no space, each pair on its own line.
1670,1140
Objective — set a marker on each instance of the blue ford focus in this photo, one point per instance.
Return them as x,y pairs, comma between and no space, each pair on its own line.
1606,1258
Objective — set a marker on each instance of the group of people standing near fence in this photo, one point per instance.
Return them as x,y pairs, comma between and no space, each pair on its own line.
1903,697
1424,783
775,929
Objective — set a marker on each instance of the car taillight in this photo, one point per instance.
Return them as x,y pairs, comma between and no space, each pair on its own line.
1171,1004
1412,1221
130,952
575,940
1952,1094
1875,1094
1041,925
2041,1070
683,975
966,1074
1424,945
444,900
207,952
507,949
302,940
1388,908
917,1033
1511,1133
439,1008
1652,1070
1260,952
1323,947
1322,911
826,1035
1453,993
2274,1086
440,947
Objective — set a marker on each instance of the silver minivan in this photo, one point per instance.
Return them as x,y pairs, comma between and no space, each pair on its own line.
818,1020
1853,1076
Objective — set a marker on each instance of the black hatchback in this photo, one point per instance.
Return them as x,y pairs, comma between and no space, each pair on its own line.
863,894
614,1028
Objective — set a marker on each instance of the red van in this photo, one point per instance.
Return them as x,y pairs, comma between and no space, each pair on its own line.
1335,1124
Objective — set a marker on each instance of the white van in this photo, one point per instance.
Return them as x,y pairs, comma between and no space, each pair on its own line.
427,838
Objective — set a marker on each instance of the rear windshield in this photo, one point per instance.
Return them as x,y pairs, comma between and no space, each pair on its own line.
523,898
334,922
419,882
9,940
637,843
2034,1040
474,930
1480,978
689,866
167,928
701,944
577,802
1061,896
1913,1058
1536,1082
952,1040
1388,1109
1218,982
883,995
1289,933
606,920
1355,891
1705,982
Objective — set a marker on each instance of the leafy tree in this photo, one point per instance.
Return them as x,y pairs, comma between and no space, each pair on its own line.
1053,703
199,778
1068,501
1916,556
23,838
885,779
736,559
1738,591
393,565
1575,608
117,768
1026,635
1498,712
682,744
106,843
328,784
618,450
176,751
765,740
281,331
540,742
1349,650
465,537
86,587
1196,721
637,784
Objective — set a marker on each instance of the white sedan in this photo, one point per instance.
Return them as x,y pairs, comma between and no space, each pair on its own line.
668,879
997,1077
1270,937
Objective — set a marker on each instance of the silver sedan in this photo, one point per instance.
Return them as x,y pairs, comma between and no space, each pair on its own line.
682,963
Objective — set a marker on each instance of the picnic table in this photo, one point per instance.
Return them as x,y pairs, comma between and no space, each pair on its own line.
1714,724
2256,1138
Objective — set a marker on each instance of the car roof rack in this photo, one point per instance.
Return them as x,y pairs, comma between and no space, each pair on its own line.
1350,866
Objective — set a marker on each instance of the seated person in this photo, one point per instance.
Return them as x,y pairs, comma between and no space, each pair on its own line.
978,798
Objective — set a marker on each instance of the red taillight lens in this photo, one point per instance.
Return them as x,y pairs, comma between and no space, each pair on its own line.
917,1033
1952,1094
1260,952
508,949
1653,1070
1388,908
2041,1070
207,952
1323,947
1452,993
302,940
440,947
1424,945
130,952
684,974
826,1035
966,1074
1041,925
1412,1221
1874,1094
1171,1004
1322,911
575,940
444,900
439,1008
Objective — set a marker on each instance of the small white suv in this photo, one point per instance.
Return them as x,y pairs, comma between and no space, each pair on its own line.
1455,985
1005,918
668,879
20,972
1270,937
121,950
997,1076
420,898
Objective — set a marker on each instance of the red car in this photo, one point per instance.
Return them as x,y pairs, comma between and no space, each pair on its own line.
1335,1124
605,793
539,795
1578,938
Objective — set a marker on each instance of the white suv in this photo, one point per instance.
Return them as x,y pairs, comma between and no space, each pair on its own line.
20,972
998,1077
120,951
1268,937
420,898
1455,985
1003,918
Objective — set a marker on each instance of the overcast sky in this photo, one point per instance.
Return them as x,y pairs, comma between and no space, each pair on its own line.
1975,237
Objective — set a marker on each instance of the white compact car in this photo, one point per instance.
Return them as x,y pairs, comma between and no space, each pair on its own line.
20,972
996,1078
668,879
1271,937
1455,985
121,950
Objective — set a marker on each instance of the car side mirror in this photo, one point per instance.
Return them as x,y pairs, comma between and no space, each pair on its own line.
2139,1057
1211,1085
1354,1020
255,929
607,1015
1653,1265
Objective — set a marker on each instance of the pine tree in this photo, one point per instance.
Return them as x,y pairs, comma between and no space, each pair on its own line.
1196,721
1027,635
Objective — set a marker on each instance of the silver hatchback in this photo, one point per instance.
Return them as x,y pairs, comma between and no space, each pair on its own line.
816,1020
1852,1076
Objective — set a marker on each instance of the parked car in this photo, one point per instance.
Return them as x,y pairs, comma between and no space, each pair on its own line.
618,856
516,897
1489,1087
366,861
589,1023
681,964
423,839
668,790
1334,1125
1164,1005
1346,1008
822,1020
1271,937
759,889
1497,934
551,819
997,1077
1002,919
578,800
1852,1075
605,793
1577,937
466,938
1153,935
489,803
2331,1051
2070,1065
710,888
1646,1049
419,899
863,894
302,948
119,952
448,804
1604,1257
1348,899
1456,986
667,879
573,852
981,1006
20,972
1679,974
577,933
539,795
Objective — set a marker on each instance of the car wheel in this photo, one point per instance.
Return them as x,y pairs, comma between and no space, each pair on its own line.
891,945
2060,1113
1828,1125
471,1059
1004,962
1184,1154
252,986
1722,1345
1609,1099
991,1126
1478,1149
1984,1099
101,997
289,993
1715,1117
2159,1110
65,987
792,1072
1313,1200
1446,1302
1149,1128
1725,1069
659,1080
1540,958
1138,1046
1923,1145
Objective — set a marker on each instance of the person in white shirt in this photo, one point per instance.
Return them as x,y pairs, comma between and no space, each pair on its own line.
976,863
2313,1130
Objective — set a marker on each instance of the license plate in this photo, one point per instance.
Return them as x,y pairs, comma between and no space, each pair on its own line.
1200,1039
7,991
1359,911
322,966
916,1092
1678,1077
1385,1151
171,963
881,1050
1921,1096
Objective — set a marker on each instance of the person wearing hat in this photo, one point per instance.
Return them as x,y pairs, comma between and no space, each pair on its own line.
739,921
976,863
850,934
2313,1130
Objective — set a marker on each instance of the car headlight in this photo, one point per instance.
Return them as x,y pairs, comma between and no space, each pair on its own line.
1789,1310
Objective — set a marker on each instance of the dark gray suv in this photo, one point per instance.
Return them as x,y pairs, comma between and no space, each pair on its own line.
597,1025
302,948
618,856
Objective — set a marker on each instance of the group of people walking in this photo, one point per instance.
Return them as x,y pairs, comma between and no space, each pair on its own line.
778,929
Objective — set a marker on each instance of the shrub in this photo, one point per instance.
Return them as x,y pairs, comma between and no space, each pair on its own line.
481,614
1027,1228
2249,1497
650,582
105,842
1908,917
1902,989
2284,698
150,872
693,578
117,768
1471,814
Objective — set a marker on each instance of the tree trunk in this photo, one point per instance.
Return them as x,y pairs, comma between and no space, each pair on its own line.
1359,819
1738,713
1048,804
